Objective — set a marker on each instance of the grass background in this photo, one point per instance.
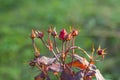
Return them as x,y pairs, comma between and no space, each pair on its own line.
98,21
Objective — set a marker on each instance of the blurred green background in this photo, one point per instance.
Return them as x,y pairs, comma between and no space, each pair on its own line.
98,21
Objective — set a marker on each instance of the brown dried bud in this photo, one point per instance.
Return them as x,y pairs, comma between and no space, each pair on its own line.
37,54
49,30
33,34
75,32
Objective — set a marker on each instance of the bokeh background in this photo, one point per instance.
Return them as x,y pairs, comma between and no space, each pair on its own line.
98,21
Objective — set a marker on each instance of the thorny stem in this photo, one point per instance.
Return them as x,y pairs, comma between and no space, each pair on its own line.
63,55
55,45
44,43
77,47
73,51
33,43
43,70
51,50
65,45
55,55
34,46
84,52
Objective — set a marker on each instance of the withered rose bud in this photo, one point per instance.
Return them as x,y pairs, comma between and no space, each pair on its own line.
33,34
37,54
49,30
54,33
75,32
40,34
68,37
62,34
100,51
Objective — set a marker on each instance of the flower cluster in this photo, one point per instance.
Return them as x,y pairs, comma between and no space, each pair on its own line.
58,65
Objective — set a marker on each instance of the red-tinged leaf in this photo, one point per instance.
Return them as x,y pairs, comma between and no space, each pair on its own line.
78,64
81,59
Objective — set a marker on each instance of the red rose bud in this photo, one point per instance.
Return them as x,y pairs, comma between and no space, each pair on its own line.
62,34
100,51
75,32
33,34
40,34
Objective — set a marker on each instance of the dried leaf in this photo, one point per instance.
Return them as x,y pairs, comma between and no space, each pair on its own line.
55,67
79,75
81,59
45,60
66,76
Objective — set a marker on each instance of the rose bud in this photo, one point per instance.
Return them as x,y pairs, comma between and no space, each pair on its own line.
62,34
49,30
40,34
68,37
54,33
100,51
75,32
33,34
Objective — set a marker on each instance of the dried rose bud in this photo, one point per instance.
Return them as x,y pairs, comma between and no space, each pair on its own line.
62,34
37,54
33,34
49,30
68,37
75,32
40,34
100,51
54,33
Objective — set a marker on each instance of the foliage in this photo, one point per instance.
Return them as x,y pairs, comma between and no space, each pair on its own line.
86,68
